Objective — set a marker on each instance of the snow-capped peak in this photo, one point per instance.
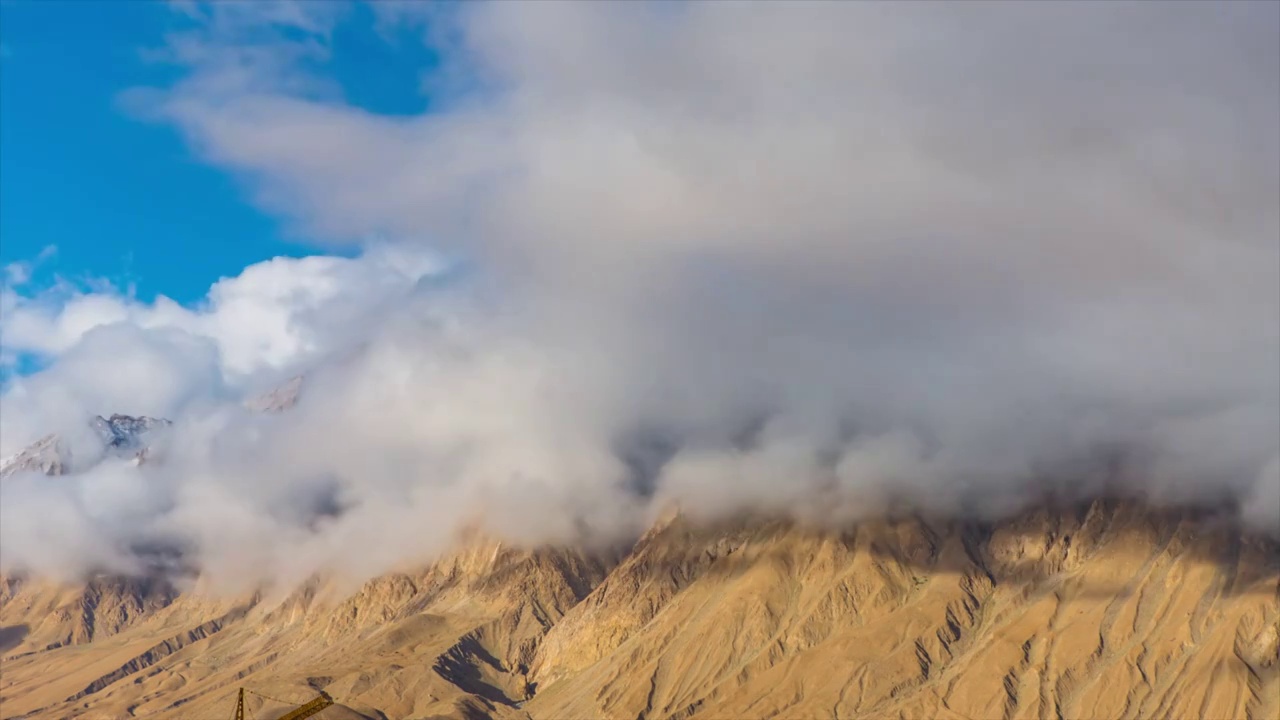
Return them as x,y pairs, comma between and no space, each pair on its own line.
126,431
121,435
124,436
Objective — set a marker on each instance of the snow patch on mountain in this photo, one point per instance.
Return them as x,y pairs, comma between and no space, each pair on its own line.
126,436
120,435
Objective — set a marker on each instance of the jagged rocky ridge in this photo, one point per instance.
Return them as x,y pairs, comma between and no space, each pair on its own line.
1105,608
125,435
120,436
1102,609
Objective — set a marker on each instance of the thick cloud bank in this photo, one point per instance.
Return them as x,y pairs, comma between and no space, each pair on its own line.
813,258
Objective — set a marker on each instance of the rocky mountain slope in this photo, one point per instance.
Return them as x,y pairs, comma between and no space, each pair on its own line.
1106,609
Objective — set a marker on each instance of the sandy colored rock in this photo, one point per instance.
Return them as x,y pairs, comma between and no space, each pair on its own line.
1109,610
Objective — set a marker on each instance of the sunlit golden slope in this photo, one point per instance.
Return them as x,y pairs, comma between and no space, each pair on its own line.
1105,611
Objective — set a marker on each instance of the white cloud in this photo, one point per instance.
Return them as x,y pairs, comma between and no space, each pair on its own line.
18,273
834,254
272,319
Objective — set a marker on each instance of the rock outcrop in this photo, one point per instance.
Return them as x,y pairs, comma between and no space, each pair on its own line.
1108,609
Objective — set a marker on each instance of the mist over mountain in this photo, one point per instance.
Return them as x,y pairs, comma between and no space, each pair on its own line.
1100,609
662,361
818,261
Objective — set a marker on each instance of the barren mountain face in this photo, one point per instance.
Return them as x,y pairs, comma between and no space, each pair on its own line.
655,361
1104,609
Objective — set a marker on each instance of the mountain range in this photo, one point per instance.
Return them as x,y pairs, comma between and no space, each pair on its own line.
1105,608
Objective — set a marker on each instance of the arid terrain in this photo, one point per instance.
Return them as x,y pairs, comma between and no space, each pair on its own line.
674,360
1102,610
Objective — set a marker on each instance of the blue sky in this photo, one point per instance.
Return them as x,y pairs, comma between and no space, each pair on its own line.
126,199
